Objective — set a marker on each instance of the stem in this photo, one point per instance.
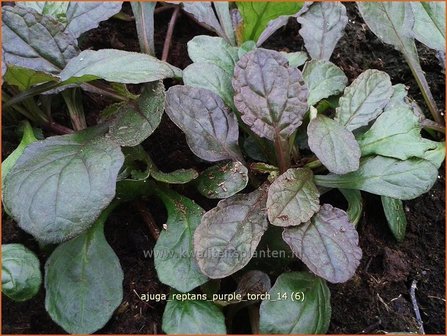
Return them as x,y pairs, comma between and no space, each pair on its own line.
57,128
313,164
148,219
103,90
329,181
73,99
282,153
169,33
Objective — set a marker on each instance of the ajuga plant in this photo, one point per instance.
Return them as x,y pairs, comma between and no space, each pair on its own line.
278,129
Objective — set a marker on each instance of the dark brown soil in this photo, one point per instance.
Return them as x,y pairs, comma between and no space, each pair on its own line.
376,300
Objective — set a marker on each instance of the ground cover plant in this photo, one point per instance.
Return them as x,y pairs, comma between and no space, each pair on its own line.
275,131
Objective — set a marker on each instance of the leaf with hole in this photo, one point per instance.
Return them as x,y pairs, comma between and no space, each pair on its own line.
327,244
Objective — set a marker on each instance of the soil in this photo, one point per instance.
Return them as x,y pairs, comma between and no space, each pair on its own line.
376,300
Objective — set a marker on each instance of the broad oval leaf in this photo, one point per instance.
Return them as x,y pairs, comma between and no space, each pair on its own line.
21,277
292,198
429,23
396,133
270,95
35,41
309,312
436,155
59,186
321,28
395,216
24,78
193,317
228,235
386,177
323,79
179,176
83,282
134,122
223,180
211,129
174,258
364,99
296,59
258,15
334,145
117,66
398,98
328,244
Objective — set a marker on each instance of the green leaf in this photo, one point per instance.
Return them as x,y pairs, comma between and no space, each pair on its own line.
223,180
228,235
355,204
28,137
83,281
193,317
137,164
398,98
135,121
21,277
386,177
292,198
36,42
334,145
437,155
52,8
59,186
24,78
395,216
117,66
174,258
295,59
143,13
246,47
429,23
179,176
323,79
321,28
211,77
215,136
395,133
290,315
364,100
213,50
328,244
270,95
257,15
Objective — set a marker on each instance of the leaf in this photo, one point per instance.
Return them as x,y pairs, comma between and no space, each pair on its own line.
223,12
364,100
292,198
83,16
253,149
52,8
395,216
228,235
24,78
135,121
174,258
328,244
323,79
21,277
256,16
398,98
254,282
213,50
83,281
59,186
28,137
223,180
386,177
355,204
436,155
246,47
295,59
117,66
429,23
321,28
211,128
179,176
193,317
309,316
210,77
271,96
36,42
395,133
334,145
143,13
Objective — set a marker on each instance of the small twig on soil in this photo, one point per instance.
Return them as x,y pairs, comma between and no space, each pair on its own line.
148,219
169,33
416,307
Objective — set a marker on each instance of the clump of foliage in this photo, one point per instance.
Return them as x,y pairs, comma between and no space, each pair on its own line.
279,129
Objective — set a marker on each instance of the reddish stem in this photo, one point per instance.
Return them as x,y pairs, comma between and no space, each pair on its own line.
169,33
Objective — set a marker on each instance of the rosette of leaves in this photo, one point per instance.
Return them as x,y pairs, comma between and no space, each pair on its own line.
361,146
